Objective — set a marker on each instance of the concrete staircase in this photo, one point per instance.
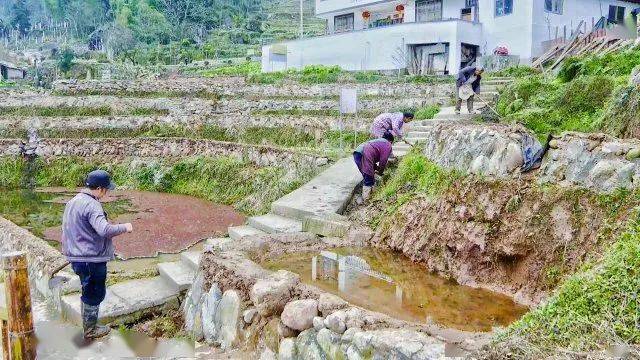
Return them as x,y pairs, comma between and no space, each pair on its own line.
324,196
417,131
134,296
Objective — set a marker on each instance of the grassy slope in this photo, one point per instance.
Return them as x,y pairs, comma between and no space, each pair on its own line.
589,94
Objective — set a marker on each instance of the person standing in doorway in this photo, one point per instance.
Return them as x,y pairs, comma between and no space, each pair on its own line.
87,243
390,123
467,86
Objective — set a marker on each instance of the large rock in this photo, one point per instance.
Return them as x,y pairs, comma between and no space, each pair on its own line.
299,314
329,342
398,344
227,318
328,303
307,346
287,349
209,310
271,295
192,308
336,322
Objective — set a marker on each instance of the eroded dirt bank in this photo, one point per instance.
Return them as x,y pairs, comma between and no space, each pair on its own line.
510,236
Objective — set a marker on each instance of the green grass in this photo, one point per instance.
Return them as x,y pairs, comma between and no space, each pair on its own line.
517,71
201,94
619,63
6,84
427,112
243,69
414,176
595,308
251,189
80,111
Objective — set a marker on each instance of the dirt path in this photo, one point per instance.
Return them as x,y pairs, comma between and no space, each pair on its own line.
166,223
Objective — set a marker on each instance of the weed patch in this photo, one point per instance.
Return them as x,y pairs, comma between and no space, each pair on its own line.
78,111
428,112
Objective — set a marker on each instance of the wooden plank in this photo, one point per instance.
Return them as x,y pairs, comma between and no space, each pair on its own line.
5,340
564,54
546,56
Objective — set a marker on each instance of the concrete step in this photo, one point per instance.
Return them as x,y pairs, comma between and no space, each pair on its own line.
400,153
272,223
192,259
238,232
218,243
124,298
325,195
497,81
179,274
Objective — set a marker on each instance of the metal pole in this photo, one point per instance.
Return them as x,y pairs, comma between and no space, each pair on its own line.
301,19
22,337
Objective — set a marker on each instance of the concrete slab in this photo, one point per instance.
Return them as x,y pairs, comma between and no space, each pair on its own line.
124,298
179,274
238,232
217,243
191,258
326,194
272,224
326,227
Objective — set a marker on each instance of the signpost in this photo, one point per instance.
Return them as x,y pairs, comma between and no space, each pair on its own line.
349,105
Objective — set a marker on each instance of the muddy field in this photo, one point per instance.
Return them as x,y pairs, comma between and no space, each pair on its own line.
163,223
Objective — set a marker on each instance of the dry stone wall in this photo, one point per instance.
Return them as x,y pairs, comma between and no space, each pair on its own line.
236,86
595,161
166,148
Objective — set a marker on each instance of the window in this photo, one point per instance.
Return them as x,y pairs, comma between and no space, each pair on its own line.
504,7
470,3
554,6
616,14
343,23
429,10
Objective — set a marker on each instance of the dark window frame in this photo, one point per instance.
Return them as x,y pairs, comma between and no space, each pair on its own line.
548,7
507,7
440,18
619,13
344,16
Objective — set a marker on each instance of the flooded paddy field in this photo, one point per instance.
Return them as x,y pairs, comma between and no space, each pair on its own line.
392,284
163,223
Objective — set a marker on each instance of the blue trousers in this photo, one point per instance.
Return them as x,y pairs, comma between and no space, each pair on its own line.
93,277
368,179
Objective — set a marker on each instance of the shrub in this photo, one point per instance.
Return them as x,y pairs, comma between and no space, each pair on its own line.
318,74
621,116
619,63
586,94
517,71
367,77
247,68
427,112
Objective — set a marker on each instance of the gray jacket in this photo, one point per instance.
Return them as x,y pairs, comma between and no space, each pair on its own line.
86,233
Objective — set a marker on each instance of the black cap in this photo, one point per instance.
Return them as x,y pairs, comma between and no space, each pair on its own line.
99,179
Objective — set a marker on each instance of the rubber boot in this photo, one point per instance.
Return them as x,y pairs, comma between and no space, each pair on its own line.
366,192
90,322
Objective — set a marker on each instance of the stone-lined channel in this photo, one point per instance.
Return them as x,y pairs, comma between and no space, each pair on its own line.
391,283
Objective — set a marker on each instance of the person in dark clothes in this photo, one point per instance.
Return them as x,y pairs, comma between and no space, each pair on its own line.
87,243
469,76
371,158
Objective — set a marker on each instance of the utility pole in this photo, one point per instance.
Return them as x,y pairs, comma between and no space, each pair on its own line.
301,19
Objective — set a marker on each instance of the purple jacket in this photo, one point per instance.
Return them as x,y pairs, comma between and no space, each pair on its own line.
465,74
376,151
391,122
86,233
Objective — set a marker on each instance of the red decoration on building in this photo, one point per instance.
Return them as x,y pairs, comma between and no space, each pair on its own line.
366,14
400,8
501,50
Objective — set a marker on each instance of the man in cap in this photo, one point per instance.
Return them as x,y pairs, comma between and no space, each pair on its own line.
87,243
467,86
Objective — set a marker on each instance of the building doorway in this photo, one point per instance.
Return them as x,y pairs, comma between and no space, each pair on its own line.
468,55
429,59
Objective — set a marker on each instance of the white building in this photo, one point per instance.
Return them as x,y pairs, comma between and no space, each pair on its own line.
438,35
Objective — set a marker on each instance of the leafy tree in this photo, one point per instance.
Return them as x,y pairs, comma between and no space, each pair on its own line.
65,62
21,16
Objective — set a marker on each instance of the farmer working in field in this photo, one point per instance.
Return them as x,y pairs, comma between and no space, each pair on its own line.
467,86
87,244
390,123
371,158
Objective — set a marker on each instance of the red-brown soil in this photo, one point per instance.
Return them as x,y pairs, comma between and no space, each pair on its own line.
165,223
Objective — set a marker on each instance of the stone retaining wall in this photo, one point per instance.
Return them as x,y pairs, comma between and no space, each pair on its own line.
595,161
492,150
236,86
166,148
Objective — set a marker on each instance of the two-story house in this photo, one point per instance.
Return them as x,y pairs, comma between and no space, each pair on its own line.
440,35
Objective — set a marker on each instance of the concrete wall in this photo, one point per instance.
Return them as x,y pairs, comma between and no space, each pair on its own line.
374,49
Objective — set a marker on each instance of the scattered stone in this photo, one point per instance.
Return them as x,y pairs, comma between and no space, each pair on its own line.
299,314
318,323
192,308
329,342
249,315
328,303
272,294
553,144
267,354
287,349
349,333
633,154
307,346
286,332
336,322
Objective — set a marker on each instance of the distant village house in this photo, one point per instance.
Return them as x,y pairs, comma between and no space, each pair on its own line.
11,72
442,36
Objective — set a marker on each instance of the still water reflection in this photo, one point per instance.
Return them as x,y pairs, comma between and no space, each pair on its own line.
390,283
